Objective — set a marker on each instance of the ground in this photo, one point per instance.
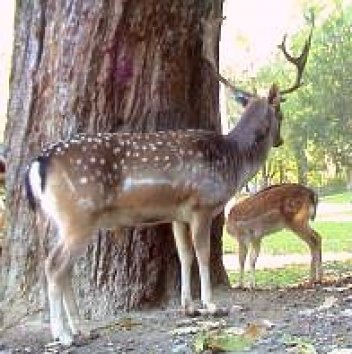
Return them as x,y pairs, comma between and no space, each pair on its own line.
285,320
298,319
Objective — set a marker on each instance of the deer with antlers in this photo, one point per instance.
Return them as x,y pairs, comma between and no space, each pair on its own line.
110,180
289,206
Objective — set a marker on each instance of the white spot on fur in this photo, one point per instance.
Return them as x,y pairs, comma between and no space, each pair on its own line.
116,150
83,180
130,183
86,203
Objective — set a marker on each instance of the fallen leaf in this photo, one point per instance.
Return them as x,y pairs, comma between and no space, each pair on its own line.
220,341
254,331
299,346
329,302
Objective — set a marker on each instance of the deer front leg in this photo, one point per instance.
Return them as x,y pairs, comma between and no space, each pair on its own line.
242,255
185,253
200,228
255,249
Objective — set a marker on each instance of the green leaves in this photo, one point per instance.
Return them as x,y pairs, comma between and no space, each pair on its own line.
228,339
317,125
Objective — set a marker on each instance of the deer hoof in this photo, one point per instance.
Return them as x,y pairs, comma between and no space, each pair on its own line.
57,346
80,339
213,310
190,311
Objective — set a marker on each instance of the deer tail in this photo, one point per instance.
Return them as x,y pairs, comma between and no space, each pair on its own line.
314,204
35,180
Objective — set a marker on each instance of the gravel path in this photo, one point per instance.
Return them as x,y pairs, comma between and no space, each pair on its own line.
266,261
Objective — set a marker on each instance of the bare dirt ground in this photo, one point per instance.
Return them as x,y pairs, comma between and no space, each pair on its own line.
293,320
286,320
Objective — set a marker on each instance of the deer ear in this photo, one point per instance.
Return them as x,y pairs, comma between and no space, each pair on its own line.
242,99
274,95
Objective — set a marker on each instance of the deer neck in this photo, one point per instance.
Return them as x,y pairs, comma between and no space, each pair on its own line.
247,156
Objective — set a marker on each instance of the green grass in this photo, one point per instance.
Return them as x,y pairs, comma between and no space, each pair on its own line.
336,237
292,275
344,197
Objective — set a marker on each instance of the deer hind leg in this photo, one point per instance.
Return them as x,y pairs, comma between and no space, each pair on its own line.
70,305
313,240
255,249
57,267
186,255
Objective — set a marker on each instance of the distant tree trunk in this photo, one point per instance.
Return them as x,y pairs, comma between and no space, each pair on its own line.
99,65
302,166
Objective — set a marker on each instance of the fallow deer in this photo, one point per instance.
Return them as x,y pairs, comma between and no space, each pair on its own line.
108,180
124,179
289,206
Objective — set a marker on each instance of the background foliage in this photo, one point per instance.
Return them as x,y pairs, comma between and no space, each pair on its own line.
318,125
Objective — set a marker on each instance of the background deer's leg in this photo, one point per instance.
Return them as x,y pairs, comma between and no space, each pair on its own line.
313,240
56,267
200,228
242,255
255,249
186,255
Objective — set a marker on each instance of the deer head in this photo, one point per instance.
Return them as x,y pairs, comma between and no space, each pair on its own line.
211,29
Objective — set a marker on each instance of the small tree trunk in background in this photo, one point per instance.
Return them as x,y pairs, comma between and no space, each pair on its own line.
302,166
99,65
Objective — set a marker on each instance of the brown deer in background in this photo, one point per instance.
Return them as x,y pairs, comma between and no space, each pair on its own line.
110,180
289,206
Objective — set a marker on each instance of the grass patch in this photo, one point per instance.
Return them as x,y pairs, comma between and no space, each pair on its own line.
273,278
336,237
292,275
344,197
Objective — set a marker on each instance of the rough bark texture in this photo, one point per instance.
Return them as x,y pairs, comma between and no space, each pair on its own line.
99,65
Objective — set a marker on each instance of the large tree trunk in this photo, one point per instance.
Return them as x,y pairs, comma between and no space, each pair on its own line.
99,65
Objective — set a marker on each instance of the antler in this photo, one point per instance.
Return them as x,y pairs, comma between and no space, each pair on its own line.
299,61
211,29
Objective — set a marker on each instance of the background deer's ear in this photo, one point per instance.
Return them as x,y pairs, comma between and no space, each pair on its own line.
274,95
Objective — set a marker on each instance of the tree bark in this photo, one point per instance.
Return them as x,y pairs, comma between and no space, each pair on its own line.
99,65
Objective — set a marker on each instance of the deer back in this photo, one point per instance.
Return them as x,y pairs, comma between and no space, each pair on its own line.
142,177
272,209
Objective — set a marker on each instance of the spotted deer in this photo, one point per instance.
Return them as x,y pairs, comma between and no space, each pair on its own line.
110,180
284,206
